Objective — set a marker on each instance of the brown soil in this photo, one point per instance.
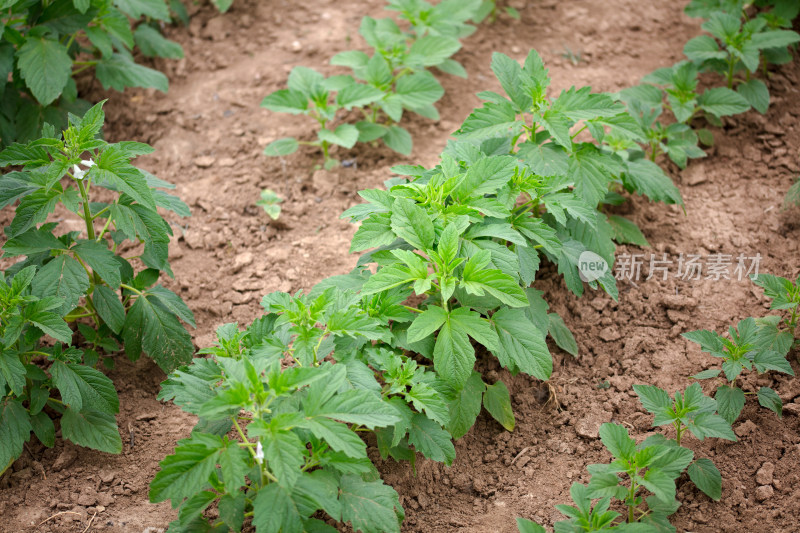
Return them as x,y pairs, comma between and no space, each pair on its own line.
209,134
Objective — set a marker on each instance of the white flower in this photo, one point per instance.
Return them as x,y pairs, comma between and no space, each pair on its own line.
259,453
78,172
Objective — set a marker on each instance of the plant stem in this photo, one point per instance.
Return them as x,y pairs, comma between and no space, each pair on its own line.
87,211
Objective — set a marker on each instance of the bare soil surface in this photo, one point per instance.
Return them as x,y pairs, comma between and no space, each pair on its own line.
209,134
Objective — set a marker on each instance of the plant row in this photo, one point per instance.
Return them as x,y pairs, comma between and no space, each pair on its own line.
384,85
654,465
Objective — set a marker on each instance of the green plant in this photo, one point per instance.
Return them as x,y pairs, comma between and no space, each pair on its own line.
396,78
489,8
745,46
270,203
44,44
296,449
310,93
652,465
694,411
86,269
750,346
88,400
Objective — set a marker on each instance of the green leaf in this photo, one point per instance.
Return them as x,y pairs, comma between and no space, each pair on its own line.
582,104
486,176
653,398
721,101
522,345
153,44
275,511
234,464
711,425
44,429
173,302
45,66
615,438
548,159
338,436
497,402
769,398
101,260
702,48
357,406
647,178
627,232
285,146
231,510
83,387
108,306
427,399
426,323
345,135
466,406
15,430
431,50
560,333
154,330
765,360
285,452
370,506
491,120
12,372
418,90
756,93
730,401
358,95
119,72
774,39
91,429
412,223
318,490
706,477
398,139
156,9
431,440
526,526
63,277
187,470
592,172
500,285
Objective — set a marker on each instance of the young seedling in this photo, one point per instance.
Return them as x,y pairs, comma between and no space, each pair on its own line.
310,93
793,195
779,332
749,347
685,102
741,51
270,203
651,467
693,411
489,9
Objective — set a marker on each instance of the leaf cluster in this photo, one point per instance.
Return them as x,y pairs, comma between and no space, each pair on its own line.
384,85
43,45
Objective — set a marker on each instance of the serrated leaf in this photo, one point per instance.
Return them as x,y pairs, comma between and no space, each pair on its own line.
426,399
412,223
615,438
706,477
153,44
118,72
466,406
83,387
45,66
497,402
187,470
338,436
101,260
63,277
730,401
370,507
626,231
275,511
157,332
561,334
431,440
756,93
769,398
721,102
653,398
15,430
345,135
522,345
280,147
91,429
12,372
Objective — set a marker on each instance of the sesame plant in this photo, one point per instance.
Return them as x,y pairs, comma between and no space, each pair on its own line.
651,466
395,79
693,411
752,345
45,44
793,195
81,277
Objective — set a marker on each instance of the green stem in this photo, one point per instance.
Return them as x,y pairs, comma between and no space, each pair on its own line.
130,289
87,211
731,65
577,132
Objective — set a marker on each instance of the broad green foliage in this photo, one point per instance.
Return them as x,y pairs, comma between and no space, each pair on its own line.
43,44
651,466
696,412
383,86
759,344
735,49
80,276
